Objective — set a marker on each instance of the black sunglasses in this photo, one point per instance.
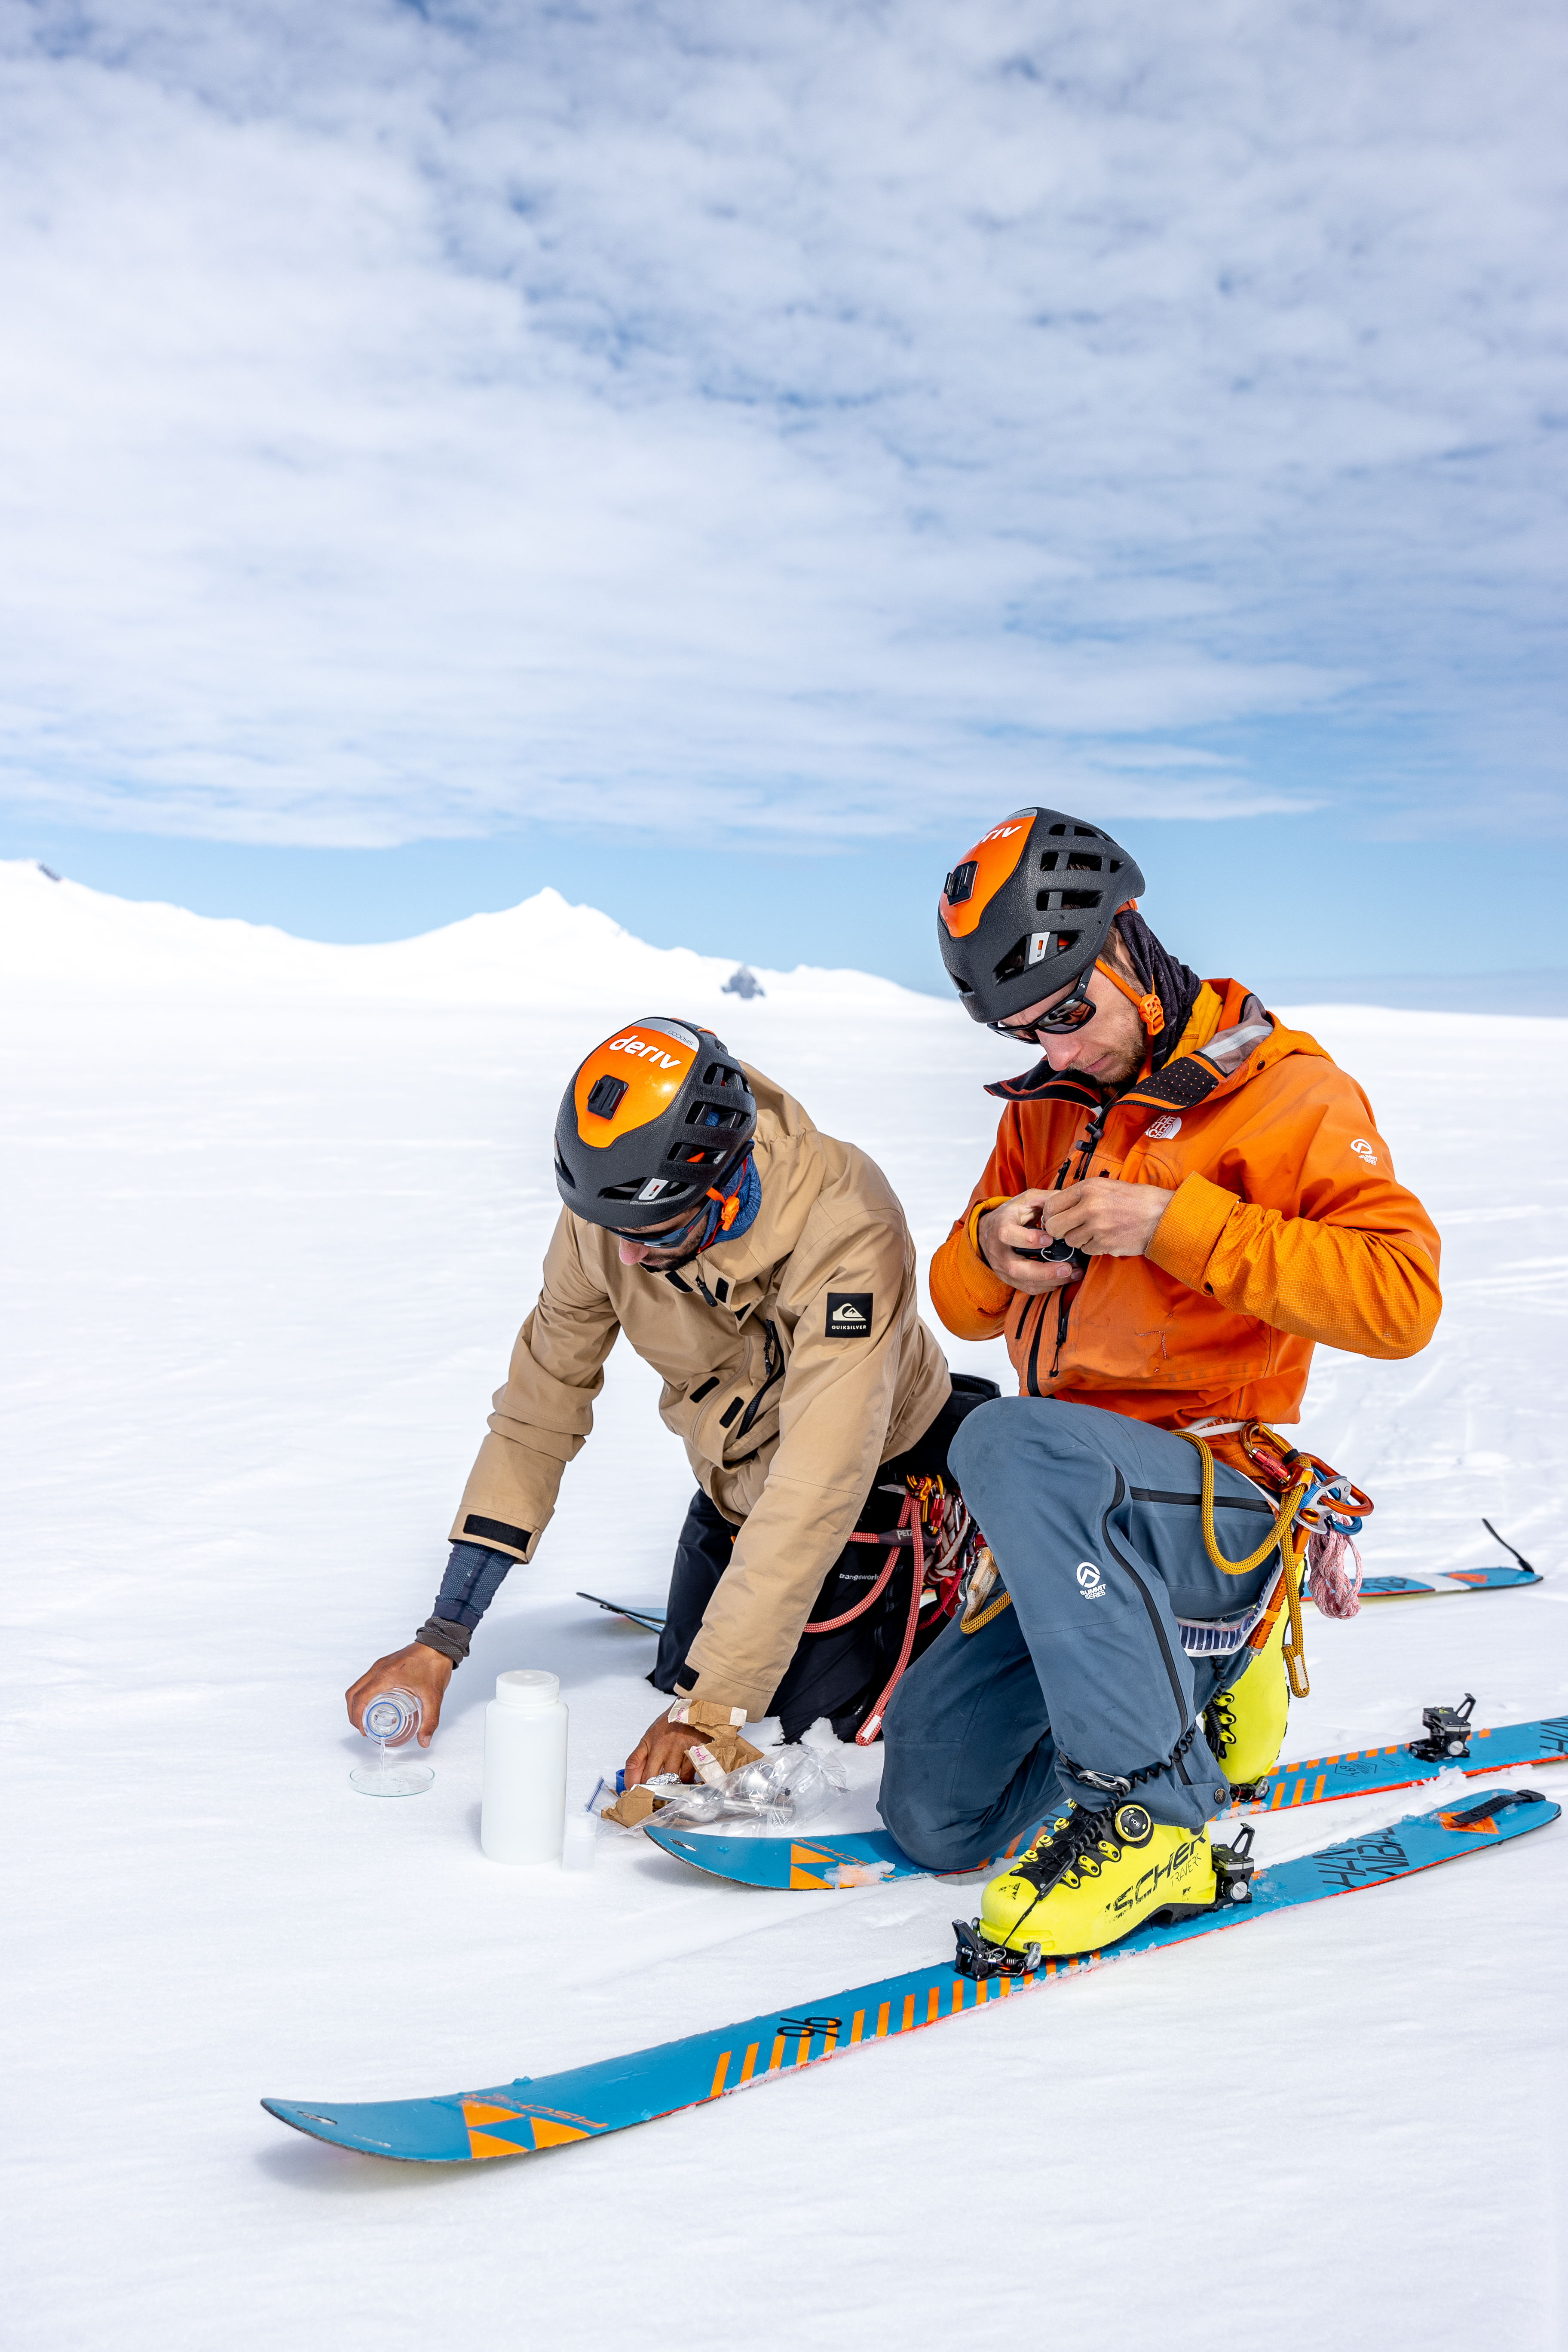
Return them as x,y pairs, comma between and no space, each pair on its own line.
1076,1011
670,1240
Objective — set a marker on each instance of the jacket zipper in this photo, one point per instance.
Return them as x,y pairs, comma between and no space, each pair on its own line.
1085,1149
1122,1561
772,1372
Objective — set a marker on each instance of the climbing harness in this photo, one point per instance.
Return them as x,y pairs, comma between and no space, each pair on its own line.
1319,1513
932,1513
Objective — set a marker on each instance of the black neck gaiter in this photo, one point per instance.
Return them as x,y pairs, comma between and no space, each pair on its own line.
1159,974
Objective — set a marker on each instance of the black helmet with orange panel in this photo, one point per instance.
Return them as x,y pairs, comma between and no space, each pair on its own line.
1029,908
656,1117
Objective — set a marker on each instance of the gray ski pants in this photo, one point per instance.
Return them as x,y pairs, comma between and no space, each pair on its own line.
1094,1523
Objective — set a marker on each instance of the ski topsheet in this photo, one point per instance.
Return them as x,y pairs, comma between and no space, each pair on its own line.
825,1864
647,1620
1455,1580
586,2102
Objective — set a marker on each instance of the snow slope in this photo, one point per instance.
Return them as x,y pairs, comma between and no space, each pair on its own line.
274,1211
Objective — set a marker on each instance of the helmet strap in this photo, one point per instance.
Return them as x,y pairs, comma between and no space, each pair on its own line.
1151,1012
729,1206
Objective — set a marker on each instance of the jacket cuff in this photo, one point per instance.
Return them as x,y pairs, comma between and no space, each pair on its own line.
989,1294
707,1699
1185,1237
496,1535
440,1633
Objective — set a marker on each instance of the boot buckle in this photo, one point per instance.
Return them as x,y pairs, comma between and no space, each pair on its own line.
977,1958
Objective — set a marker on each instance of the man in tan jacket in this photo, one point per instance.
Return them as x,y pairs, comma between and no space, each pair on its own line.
765,1270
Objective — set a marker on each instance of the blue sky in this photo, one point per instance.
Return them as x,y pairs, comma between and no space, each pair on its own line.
446,447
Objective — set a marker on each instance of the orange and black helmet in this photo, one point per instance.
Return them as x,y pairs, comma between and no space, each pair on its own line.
656,1117
1029,908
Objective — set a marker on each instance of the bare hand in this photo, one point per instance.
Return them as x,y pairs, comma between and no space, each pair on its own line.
662,1749
1106,1218
418,1668
1102,1217
1016,1226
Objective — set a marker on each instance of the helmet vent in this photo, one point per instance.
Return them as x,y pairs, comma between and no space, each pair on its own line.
1048,861
1080,862
685,1155
650,1188
603,1095
719,1073
709,1114
1018,958
1056,828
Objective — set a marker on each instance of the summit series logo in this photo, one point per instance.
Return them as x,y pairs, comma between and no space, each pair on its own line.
848,1314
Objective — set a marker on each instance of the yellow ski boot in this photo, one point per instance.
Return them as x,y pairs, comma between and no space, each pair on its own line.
1246,1724
1089,1879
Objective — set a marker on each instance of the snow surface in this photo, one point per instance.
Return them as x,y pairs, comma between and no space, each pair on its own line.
274,1211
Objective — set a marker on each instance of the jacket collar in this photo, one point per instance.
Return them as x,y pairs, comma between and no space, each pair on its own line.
1188,1077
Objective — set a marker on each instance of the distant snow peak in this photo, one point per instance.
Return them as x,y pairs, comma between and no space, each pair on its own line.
69,940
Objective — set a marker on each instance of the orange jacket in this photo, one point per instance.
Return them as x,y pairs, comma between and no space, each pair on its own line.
1287,1228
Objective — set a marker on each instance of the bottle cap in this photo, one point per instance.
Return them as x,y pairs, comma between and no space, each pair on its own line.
528,1686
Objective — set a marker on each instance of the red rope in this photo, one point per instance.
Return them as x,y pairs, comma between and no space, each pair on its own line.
831,1624
873,1723
908,1531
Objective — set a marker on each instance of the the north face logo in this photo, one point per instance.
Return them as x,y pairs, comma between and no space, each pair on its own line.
848,1314
1162,1129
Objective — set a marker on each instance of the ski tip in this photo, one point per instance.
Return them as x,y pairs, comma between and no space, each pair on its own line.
1495,1813
469,2128
409,2131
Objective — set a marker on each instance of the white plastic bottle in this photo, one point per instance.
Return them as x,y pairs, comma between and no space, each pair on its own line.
522,1817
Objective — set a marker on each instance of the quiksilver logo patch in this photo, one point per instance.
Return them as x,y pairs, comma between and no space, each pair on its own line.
848,1314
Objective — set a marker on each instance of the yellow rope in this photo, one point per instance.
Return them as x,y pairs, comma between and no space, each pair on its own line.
972,1625
1282,1535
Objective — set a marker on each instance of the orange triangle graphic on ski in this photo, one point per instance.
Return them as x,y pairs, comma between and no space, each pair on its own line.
481,2144
800,1874
548,2134
478,2112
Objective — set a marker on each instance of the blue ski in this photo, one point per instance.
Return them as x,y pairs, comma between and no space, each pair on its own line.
1455,1580
825,1864
586,2102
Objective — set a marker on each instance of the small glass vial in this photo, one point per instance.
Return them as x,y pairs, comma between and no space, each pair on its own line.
523,1815
391,1719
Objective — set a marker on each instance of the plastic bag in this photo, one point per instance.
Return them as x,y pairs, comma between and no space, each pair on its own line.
785,1786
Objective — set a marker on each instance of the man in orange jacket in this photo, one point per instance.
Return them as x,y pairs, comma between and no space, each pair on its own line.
1184,1197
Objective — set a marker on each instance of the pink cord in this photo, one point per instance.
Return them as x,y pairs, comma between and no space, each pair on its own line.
1334,1589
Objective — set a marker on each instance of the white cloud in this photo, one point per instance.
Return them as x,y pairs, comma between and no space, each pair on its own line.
808,420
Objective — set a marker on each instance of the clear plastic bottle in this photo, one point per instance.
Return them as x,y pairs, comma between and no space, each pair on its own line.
391,1719
523,1815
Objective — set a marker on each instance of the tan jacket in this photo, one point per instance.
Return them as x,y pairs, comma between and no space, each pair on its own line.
786,1416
